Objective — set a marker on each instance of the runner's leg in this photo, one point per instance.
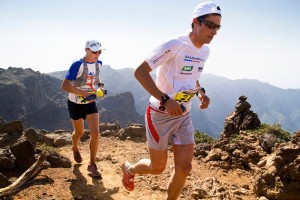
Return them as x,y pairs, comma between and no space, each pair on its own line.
93,124
183,155
155,165
78,126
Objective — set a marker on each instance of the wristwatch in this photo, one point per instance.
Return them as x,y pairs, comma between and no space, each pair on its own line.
203,90
164,99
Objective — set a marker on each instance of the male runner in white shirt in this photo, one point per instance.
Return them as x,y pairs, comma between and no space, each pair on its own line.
179,63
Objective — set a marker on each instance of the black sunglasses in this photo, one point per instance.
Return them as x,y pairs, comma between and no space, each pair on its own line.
95,52
209,24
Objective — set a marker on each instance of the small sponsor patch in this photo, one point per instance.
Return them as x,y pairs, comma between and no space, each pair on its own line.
187,68
157,59
193,59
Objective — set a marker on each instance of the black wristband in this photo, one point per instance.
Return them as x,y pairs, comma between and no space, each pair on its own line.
164,99
203,90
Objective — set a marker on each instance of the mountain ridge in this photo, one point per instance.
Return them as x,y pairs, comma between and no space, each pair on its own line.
267,100
272,104
38,101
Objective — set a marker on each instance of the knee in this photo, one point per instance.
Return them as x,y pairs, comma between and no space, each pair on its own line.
94,134
184,169
77,134
158,170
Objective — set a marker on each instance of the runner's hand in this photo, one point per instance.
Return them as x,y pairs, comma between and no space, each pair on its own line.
205,100
173,108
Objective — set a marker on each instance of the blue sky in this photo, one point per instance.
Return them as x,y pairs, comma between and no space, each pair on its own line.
259,39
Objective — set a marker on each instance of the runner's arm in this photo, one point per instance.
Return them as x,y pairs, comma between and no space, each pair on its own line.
67,86
142,74
205,100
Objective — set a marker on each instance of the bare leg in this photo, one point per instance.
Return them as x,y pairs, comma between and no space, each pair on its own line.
155,165
78,126
93,124
183,155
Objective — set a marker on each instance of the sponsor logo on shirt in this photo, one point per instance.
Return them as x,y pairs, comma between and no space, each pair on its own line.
184,73
157,59
193,59
187,68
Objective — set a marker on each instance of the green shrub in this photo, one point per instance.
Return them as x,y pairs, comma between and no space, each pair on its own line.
276,130
234,138
47,148
201,137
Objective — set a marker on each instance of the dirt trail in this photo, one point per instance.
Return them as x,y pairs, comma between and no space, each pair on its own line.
76,183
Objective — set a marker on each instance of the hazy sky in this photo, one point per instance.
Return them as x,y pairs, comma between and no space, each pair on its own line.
259,39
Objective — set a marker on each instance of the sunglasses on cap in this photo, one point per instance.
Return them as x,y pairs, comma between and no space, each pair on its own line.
95,52
209,24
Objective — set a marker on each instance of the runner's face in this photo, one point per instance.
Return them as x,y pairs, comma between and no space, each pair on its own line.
203,32
91,55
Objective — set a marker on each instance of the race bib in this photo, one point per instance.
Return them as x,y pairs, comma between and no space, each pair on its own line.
183,97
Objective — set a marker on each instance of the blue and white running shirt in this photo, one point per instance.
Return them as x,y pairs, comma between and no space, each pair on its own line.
75,71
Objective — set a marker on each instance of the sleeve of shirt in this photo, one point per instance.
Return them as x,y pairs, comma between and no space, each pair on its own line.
73,70
163,53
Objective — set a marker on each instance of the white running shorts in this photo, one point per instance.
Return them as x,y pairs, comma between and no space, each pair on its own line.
162,129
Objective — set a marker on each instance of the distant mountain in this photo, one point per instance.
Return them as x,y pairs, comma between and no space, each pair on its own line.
38,101
272,104
31,97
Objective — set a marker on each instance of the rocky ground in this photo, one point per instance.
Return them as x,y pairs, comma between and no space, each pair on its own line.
75,182
242,164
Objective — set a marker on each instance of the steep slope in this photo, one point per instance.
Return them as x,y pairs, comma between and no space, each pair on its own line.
38,101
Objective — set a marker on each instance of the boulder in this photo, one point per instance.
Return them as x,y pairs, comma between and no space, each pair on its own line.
24,152
7,160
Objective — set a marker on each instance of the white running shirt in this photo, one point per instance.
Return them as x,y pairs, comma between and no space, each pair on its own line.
179,65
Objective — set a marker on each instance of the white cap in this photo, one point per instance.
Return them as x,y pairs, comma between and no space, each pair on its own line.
205,8
94,45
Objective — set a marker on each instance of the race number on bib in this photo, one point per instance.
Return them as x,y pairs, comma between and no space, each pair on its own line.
183,97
